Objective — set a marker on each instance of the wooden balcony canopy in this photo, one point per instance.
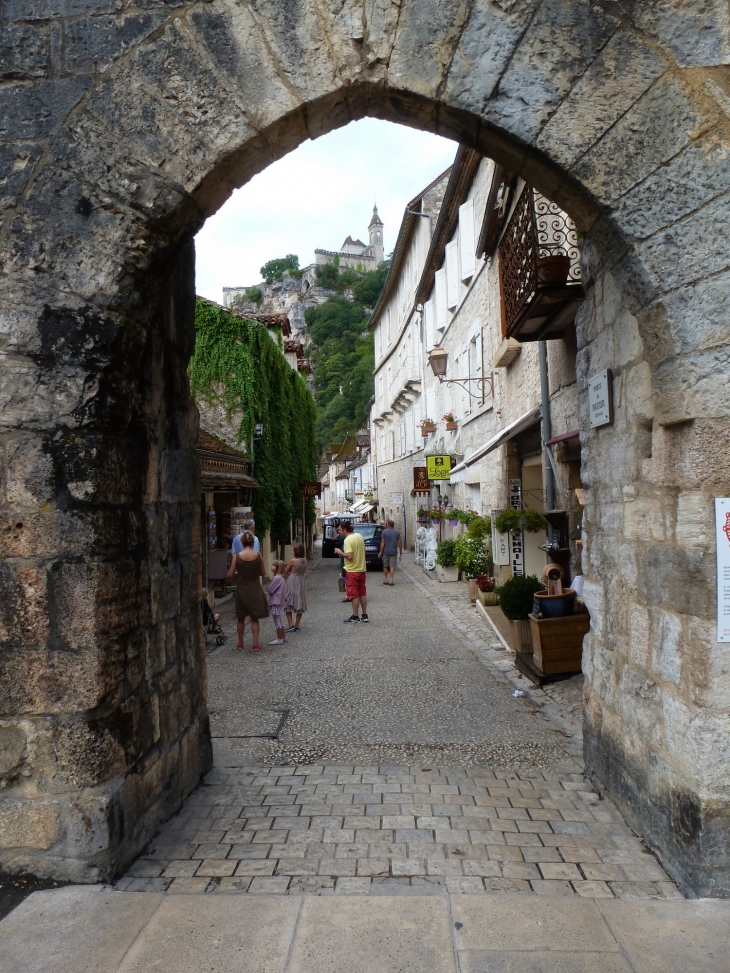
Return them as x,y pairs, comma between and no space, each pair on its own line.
539,267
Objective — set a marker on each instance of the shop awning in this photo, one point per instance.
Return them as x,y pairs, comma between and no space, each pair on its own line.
362,507
573,434
527,421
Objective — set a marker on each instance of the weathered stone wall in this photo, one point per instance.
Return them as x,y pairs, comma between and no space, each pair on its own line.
121,131
104,725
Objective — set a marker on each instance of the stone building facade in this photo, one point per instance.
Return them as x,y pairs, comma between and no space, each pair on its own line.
618,113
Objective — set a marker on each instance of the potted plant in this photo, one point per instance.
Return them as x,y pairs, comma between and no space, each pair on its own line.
486,585
423,515
453,516
437,515
479,528
472,559
427,426
450,421
514,521
466,516
515,599
446,561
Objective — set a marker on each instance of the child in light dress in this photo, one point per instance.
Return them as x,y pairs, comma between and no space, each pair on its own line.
277,596
296,599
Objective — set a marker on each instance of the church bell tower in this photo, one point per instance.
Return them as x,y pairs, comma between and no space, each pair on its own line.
376,237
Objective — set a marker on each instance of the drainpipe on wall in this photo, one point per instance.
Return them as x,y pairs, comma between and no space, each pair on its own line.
547,431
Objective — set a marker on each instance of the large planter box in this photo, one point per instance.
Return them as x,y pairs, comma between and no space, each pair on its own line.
447,574
558,642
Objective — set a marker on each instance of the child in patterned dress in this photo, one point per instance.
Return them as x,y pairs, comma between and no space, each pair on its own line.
277,594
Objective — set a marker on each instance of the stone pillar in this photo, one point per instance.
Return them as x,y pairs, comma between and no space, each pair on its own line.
104,727
657,691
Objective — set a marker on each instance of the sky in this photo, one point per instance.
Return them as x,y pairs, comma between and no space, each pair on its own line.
315,197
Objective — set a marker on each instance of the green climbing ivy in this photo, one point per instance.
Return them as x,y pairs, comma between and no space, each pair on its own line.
237,364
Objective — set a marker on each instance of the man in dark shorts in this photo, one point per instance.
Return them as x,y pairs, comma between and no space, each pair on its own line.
391,549
353,551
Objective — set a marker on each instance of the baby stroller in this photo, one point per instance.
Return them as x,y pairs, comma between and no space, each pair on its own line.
210,623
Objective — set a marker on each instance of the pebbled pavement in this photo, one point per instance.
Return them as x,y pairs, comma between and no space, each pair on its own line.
391,759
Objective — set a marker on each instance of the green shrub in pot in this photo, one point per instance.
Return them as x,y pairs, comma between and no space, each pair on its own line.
479,529
517,594
445,554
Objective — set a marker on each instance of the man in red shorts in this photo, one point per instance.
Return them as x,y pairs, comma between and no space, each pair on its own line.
353,551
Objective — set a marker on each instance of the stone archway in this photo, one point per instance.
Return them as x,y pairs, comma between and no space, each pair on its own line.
124,134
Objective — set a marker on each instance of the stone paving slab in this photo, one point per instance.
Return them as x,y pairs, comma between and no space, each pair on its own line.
398,830
80,929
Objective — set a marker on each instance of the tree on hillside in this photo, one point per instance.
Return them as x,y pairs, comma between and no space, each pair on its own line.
273,270
343,354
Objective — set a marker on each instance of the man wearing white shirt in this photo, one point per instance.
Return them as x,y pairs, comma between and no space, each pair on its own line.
237,546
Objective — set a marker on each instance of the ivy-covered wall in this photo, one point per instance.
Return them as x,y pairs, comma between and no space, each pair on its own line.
238,365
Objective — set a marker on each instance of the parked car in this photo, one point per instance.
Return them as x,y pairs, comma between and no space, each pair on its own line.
371,534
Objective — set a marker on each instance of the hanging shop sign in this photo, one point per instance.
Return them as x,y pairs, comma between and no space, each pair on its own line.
420,480
439,467
600,399
722,524
311,488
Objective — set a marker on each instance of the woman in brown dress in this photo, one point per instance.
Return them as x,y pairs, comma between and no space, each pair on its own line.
248,569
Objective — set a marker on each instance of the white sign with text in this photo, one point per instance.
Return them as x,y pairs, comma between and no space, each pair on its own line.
600,399
722,525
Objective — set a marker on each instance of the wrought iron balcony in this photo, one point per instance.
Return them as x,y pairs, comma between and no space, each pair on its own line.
539,267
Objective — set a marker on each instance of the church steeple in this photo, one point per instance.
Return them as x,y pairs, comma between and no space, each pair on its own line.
376,236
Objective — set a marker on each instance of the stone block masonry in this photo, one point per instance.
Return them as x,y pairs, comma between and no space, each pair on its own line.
121,133
105,728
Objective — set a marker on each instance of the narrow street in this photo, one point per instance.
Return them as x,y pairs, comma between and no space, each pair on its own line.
409,813
388,757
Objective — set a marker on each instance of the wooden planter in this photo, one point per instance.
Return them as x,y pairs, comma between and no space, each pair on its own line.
451,426
427,430
558,642
522,637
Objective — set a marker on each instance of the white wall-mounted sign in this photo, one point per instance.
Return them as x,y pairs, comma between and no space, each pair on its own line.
722,525
600,399
396,499
500,543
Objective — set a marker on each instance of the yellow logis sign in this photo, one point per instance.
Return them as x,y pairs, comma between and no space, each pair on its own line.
439,467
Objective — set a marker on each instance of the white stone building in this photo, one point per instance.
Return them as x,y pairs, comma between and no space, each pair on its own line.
453,293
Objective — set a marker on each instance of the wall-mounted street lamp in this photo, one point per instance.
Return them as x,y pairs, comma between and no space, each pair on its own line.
438,359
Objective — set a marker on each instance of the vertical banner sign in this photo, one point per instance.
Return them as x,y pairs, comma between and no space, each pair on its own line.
517,560
722,524
500,543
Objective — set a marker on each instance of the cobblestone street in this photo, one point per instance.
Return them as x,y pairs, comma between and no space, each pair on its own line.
392,758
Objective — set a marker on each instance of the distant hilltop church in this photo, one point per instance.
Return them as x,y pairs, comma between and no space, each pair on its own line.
285,296
355,253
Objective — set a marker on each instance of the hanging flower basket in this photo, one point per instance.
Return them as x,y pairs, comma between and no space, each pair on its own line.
453,521
427,427
423,515
450,420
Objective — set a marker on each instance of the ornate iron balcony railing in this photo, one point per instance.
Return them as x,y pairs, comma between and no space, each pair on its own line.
533,286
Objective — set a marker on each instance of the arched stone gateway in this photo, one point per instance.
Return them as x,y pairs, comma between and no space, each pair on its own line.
122,132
